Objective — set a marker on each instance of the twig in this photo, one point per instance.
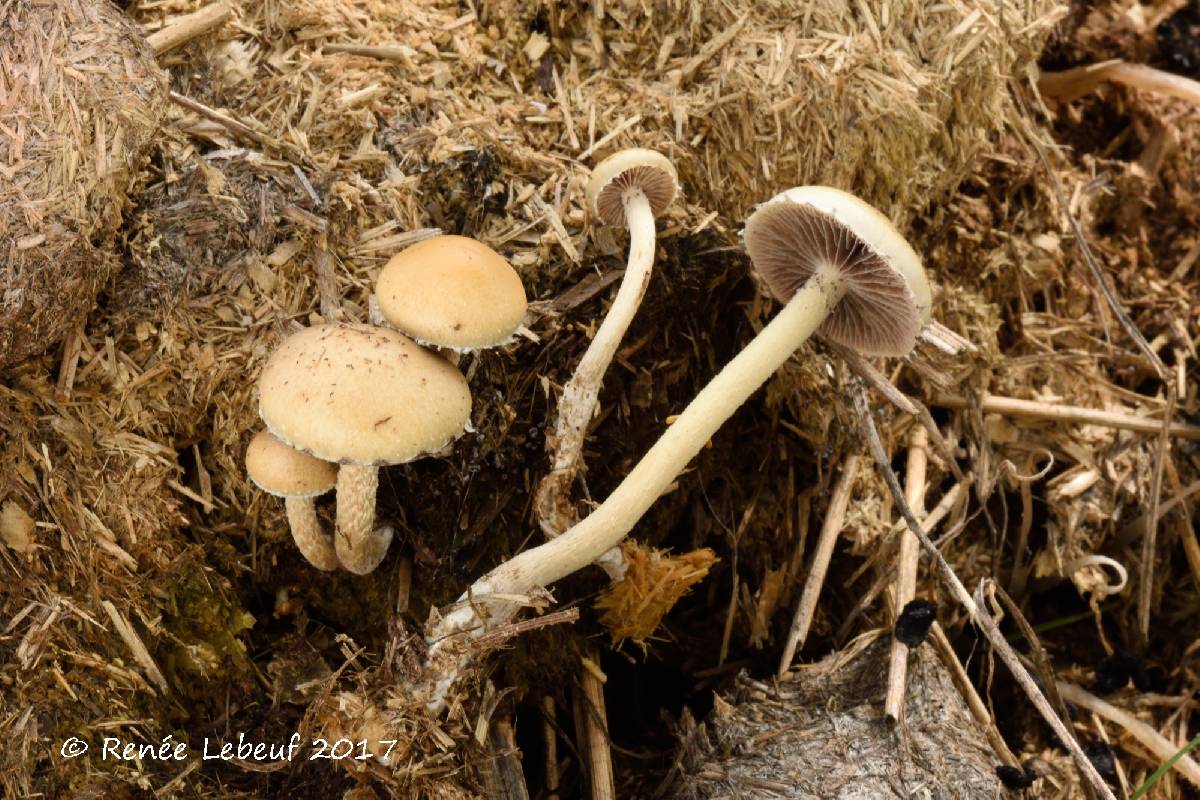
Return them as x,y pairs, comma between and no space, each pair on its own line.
599,755
906,570
712,47
399,53
1075,415
136,646
932,520
830,529
978,614
187,27
224,120
865,370
505,768
1154,741
967,690
508,631
550,734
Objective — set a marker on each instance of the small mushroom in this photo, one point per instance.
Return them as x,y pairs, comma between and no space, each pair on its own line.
363,397
629,189
452,292
840,266
297,477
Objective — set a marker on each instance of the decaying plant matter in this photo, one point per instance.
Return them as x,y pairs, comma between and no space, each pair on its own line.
306,143
73,145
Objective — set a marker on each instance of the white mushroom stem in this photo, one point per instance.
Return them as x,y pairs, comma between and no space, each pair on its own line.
359,545
312,542
577,405
612,520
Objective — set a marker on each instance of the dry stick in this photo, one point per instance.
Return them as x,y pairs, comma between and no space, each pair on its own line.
1154,741
1075,415
975,703
551,736
506,772
906,570
1146,578
1037,653
830,529
507,631
932,520
189,26
599,756
865,370
224,120
978,614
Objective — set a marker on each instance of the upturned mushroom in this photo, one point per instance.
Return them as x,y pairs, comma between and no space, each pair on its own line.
298,478
362,397
629,189
841,268
452,292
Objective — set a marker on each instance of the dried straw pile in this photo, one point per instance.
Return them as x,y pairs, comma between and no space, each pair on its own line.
345,131
896,98
81,97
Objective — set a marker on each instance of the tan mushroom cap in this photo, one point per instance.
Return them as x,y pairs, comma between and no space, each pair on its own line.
887,300
283,471
358,394
451,291
648,170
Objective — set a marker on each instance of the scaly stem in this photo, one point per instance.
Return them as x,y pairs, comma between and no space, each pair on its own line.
312,542
360,547
577,405
612,520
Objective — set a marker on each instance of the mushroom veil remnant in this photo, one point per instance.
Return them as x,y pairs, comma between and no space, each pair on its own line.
362,397
629,189
297,477
840,267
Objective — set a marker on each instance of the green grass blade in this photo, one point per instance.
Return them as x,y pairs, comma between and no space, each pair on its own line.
1156,776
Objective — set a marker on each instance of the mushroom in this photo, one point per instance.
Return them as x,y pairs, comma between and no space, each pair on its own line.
297,477
452,292
363,397
841,268
629,189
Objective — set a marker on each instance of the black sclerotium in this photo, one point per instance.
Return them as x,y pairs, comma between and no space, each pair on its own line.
1014,778
912,626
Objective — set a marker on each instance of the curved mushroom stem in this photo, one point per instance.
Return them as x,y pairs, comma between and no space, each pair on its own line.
578,402
609,523
312,542
359,544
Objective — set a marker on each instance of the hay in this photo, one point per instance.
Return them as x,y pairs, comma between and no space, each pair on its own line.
81,98
329,135
896,99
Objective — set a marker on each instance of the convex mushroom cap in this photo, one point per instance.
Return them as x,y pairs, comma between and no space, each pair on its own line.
887,299
283,471
357,394
638,168
451,291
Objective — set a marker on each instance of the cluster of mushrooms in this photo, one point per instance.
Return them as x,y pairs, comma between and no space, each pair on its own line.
341,400
363,397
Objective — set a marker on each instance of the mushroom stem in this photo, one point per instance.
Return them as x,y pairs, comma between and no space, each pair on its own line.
360,547
609,523
577,405
312,542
